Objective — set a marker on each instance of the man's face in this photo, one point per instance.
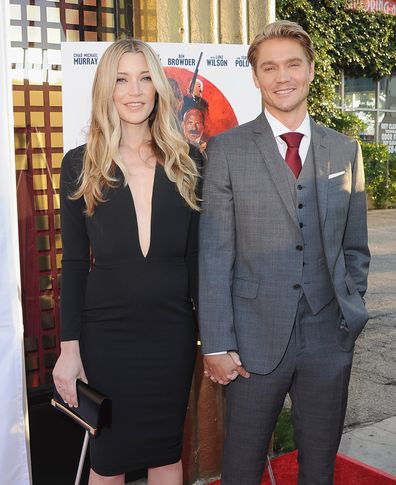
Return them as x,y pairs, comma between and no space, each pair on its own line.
283,74
198,89
193,126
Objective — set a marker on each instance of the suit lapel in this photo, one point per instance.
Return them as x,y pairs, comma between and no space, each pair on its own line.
266,143
321,151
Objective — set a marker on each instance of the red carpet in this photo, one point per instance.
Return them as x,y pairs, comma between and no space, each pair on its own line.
347,472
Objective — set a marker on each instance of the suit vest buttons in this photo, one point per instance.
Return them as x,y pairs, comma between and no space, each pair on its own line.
300,206
299,247
296,286
301,224
299,187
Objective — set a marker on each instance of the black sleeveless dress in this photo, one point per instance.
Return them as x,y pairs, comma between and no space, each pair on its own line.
133,316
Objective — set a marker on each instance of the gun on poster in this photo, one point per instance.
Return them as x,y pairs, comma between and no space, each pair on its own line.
194,79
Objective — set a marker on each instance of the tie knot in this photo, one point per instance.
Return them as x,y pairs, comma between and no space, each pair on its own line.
292,139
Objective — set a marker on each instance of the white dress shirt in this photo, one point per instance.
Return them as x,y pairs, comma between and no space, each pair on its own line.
279,129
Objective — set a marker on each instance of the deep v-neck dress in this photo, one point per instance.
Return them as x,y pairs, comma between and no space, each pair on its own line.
133,315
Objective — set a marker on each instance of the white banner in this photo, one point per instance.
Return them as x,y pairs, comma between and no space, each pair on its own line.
227,90
14,450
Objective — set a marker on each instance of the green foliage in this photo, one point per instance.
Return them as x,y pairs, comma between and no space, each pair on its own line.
380,171
359,42
348,123
283,435
368,47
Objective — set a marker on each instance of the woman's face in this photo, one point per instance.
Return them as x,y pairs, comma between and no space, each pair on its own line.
134,92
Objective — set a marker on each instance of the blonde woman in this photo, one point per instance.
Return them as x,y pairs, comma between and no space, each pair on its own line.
129,205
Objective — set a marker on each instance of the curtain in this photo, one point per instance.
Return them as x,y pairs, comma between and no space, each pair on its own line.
14,448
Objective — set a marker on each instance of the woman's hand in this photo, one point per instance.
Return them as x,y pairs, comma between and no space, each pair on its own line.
224,368
67,369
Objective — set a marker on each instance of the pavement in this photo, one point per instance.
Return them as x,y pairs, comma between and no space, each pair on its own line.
370,424
373,445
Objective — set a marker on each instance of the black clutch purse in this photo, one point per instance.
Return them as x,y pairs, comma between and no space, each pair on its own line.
93,411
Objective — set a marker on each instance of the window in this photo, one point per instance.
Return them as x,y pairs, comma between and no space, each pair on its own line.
375,103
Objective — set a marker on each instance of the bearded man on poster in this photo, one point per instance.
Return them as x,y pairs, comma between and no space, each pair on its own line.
283,267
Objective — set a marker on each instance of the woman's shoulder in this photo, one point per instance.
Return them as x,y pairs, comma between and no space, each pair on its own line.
75,155
72,162
72,165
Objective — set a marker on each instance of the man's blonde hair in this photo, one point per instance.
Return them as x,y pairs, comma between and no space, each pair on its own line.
282,29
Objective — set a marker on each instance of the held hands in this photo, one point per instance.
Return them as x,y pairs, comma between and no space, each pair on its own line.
67,369
224,368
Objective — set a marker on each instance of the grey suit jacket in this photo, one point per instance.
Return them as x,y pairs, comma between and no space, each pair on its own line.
247,296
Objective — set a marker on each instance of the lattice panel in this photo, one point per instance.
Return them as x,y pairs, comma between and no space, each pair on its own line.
37,29
38,148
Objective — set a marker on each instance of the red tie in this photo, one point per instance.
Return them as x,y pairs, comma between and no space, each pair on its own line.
293,159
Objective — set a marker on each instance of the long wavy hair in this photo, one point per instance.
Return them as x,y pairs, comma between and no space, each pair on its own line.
104,134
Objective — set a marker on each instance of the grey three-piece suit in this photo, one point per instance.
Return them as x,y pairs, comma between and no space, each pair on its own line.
283,271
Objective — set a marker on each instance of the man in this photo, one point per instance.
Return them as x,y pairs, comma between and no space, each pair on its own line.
195,99
283,267
193,126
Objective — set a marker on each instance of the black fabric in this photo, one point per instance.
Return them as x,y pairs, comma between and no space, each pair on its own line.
133,316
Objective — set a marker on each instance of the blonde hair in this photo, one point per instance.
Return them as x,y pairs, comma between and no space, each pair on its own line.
104,134
282,29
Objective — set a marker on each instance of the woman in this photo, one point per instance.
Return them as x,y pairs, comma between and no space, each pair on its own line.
128,201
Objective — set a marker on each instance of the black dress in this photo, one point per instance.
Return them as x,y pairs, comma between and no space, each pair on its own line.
133,316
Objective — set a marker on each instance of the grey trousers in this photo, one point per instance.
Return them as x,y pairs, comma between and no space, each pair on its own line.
315,371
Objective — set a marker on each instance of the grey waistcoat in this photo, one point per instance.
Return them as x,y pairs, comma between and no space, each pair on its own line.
315,280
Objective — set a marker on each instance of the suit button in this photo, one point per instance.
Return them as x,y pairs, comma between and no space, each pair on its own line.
300,206
296,286
301,224
299,248
299,187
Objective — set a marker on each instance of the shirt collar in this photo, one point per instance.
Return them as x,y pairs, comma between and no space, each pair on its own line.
279,128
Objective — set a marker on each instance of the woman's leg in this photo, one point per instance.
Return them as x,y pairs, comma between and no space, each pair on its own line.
95,479
166,475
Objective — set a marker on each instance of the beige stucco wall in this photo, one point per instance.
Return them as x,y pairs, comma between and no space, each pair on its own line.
223,21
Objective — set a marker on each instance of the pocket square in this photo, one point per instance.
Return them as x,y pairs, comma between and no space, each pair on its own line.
336,174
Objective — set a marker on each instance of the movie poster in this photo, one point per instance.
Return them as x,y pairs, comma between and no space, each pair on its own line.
212,84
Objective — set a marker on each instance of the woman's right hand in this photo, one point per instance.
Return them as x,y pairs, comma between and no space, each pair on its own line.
67,369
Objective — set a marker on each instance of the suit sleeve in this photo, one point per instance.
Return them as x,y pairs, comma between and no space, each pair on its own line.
75,249
355,242
216,254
